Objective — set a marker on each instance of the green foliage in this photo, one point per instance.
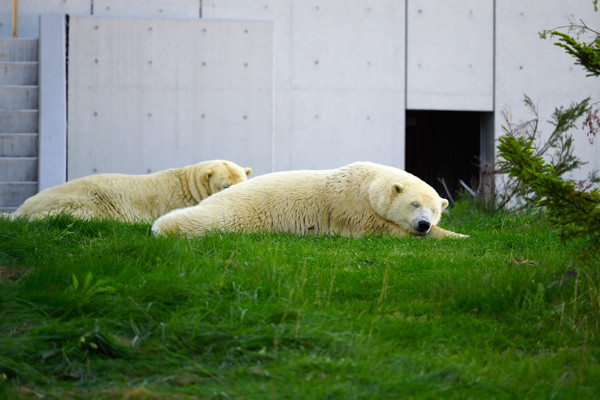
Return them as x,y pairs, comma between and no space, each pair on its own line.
563,120
103,310
558,147
584,46
586,55
88,288
576,213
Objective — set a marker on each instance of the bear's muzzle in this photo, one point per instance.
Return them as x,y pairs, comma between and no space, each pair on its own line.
423,226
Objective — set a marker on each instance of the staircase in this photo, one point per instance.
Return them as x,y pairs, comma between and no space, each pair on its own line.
18,121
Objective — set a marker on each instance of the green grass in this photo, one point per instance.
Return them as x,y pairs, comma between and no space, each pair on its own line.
103,310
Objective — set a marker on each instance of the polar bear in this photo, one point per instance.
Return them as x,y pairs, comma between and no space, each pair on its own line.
358,199
134,197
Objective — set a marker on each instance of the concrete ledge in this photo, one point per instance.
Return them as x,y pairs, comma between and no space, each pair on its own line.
18,144
18,169
18,49
53,101
19,97
18,72
18,121
15,193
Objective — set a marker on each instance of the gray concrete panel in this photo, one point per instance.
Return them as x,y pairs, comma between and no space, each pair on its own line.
53,102
18,144
450,55
29,12
347,45
18,97
147,8
333,128
174,93
526,64
18,121
18,73
342,61
18,169
14,194
18,50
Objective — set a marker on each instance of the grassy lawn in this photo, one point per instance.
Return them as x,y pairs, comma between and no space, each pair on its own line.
103,310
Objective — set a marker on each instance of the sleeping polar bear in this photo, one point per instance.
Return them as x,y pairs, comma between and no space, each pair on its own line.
358,199
134,197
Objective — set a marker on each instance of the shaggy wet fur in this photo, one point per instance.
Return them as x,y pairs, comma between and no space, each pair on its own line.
134,197
355,200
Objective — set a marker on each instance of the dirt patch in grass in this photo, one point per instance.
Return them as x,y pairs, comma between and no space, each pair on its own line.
14,273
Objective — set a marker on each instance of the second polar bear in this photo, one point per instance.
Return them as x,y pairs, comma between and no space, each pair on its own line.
134,197
358,199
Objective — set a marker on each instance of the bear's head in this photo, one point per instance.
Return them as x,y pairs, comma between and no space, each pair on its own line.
210,177
412,204
221,174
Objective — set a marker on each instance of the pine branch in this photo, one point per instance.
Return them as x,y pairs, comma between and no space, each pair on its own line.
588,56
576,213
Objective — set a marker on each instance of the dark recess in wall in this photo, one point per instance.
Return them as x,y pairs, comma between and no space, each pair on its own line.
443,144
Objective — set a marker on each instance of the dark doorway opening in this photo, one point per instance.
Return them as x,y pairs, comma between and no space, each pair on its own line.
444,145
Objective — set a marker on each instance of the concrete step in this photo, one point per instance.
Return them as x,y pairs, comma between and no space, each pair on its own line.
19,121
18,49
19,144
19,97
18,73
18,169
7,210
13,194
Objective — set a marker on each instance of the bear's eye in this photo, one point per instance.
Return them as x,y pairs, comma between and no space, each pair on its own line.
434,211
415,204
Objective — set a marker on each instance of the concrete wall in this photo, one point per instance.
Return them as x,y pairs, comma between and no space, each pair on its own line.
52,141
146,95
343,71
338,79
30,10
450,55
526,64
29,13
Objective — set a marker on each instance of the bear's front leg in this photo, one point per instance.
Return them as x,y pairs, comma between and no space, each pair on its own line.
440,233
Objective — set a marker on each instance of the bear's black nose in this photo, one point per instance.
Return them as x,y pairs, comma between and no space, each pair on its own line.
423,226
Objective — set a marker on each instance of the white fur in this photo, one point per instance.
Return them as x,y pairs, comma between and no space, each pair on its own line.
354,200
134,197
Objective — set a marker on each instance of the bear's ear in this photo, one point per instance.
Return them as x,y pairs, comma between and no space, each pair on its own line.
207,175
397,188
444,204
248,171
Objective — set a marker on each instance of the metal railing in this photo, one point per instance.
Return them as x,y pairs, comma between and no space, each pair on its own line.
14,18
